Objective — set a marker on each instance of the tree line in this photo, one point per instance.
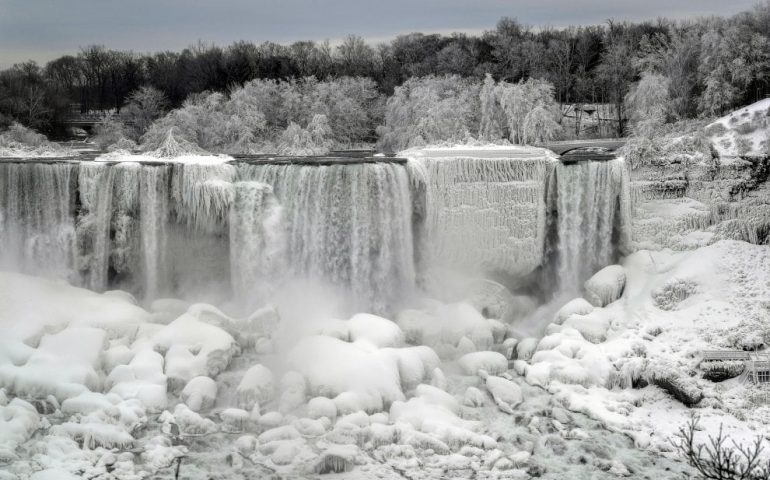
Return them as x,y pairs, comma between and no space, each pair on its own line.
709,65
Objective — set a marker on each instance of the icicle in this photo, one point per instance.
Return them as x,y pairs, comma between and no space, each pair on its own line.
484,209
203,194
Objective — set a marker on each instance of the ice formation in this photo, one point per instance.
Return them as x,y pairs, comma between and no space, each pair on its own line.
92,383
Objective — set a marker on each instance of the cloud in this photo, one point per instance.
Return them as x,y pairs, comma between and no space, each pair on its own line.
45,29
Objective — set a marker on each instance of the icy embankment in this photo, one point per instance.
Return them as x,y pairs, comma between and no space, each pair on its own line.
703,184
92,383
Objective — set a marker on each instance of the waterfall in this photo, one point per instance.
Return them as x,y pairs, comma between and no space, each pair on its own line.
482,210
154,215
37,230
348,225
215,231
97,182
256,243
593,218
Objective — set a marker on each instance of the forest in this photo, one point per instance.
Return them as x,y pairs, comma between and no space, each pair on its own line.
355,93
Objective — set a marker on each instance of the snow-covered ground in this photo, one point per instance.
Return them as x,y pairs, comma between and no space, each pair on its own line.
745,131
94,384
97,385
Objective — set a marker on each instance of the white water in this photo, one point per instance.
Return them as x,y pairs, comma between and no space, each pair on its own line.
593,205
37,231
257,243
154,216
349,225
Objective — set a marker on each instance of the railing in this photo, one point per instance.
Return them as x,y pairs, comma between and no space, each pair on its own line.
717,355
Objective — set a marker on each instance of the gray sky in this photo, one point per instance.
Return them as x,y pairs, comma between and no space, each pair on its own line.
45,29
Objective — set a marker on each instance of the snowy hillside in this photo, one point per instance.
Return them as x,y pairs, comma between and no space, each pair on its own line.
745,131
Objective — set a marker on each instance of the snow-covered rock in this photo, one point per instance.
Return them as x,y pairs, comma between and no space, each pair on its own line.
333,367
200,393
576,306
493,362
606,285
256,386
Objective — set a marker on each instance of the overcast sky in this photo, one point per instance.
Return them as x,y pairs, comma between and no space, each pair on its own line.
45,29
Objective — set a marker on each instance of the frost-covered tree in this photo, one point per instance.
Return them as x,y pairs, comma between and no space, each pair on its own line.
530,111
256,117
648,103
490,127
429,110
144,107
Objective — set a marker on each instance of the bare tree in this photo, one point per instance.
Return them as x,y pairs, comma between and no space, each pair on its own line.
716,460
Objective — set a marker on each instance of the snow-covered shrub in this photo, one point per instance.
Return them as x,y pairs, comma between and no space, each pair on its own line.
717,371
671,379
110,131
297,117
673,292
20,141
742,145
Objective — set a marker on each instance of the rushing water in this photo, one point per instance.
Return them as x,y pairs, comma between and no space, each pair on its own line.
368,229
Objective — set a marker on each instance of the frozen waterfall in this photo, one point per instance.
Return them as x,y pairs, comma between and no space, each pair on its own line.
592,209
369,228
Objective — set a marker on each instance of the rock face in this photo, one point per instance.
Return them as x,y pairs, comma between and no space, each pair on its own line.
606,285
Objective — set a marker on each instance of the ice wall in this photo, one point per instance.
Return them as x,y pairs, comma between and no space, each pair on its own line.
481,209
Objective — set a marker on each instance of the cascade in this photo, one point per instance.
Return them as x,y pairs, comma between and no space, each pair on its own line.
37,230
256,243
349,225
592,205
482,210
240,229
154,216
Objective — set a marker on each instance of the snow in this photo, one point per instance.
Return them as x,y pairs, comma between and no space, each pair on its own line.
333,367
200,393
752,119
493,362
605,286
256,387
381,332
